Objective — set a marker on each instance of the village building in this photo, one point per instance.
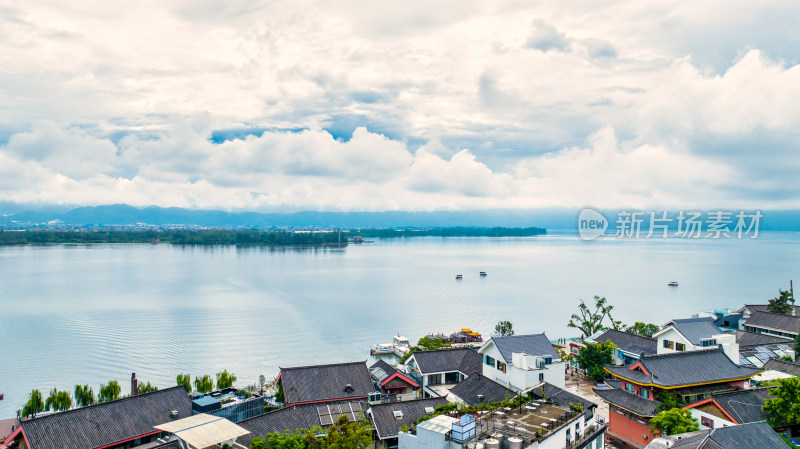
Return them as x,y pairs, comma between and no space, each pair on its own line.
392,384
119,424
478,389
629,347
745,436
389,418
693,334
730,409
335,382
438,371
775,324
633,395
521,362
202,431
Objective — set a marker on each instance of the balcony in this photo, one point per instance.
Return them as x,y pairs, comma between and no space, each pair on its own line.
589,434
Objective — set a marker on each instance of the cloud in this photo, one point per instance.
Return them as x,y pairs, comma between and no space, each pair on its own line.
546,37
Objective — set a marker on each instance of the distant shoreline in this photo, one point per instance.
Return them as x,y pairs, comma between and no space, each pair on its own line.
222,237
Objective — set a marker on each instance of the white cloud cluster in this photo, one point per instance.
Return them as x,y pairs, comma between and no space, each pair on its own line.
422,106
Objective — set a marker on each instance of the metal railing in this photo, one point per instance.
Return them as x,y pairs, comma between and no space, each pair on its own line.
589,433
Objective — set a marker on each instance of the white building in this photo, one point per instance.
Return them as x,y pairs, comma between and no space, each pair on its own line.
522,362
694,334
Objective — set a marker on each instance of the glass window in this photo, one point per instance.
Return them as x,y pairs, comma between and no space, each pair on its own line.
489,361
680,346
541,377
630,388
501,366
644,393
668,344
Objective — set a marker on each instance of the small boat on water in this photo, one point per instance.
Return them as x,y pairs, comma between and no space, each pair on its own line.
483,273
399,346
458,276
673,284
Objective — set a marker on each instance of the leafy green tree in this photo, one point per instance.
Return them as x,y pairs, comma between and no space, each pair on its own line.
590,321
504,329
185,380
258,443
204,384
58,401
593,356
146,387
225,379
344,434
669,400
672,422
110,392
784,303
783,405
34,405
279,393
643,329
84,396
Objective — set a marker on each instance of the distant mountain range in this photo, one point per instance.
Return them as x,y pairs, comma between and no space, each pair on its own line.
12,215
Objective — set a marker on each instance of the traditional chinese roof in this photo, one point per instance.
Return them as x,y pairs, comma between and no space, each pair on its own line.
782,366
745,436
742,406
477,384
107,423
319,383
635,344
695,329
683,369
775,321
628,401
751,339
752,308
387,424
465,360
534,344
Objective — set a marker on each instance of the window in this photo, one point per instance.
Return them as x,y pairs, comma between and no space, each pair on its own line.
548,360
644,393
541,377
706,422
489,361
668,344
630,388
501,366
680,347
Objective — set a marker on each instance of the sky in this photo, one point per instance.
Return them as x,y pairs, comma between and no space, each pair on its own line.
414,105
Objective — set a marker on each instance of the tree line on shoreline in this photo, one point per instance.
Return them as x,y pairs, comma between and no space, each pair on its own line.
243,237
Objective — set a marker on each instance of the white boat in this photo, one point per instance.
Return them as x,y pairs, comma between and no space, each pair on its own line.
399,346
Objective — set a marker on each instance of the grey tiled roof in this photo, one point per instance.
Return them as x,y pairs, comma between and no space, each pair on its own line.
387,425
782,366
635,344
469,389
534,344
746,436
685,368
763,308
744,405
695,329
751,339
388,369
691,441
107,423
326,382
465,360
628,401
784,323
561,396
286,419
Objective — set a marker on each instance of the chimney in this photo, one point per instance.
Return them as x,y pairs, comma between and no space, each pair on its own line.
134,385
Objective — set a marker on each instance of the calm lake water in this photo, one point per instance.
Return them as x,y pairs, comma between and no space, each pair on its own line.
87,314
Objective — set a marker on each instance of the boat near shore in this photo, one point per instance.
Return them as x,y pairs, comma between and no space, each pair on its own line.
399,346
673,284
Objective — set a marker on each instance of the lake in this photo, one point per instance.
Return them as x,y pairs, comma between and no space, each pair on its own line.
87,314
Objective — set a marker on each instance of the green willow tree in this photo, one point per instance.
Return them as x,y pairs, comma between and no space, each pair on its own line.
504,329
146,387
34,405
672,422
343,434
58,401
593,356
204,384
590,321
185,380
83,396
225,379
110,392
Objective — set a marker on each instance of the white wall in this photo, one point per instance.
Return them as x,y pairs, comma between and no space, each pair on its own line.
671,334
718,422
728,342
518,379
